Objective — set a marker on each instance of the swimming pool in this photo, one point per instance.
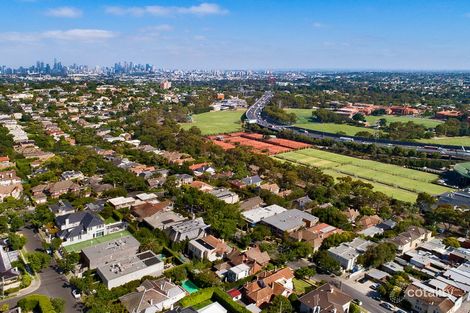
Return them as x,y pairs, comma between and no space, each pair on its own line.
189,286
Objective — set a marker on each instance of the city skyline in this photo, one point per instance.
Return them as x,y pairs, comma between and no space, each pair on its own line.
368,35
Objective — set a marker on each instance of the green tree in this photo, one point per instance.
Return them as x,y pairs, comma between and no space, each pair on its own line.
425,200
446,215
332,216
68,262
3,224
451,242
279,304
38,260
336,239
42,215
379,254
16,223
359,117
58,304
354,308
16,241
326,263
177,273
304,272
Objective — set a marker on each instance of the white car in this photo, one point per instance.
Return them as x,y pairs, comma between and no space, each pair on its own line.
76,294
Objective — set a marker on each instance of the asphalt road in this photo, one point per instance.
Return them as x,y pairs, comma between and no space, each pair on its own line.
254,113
52,283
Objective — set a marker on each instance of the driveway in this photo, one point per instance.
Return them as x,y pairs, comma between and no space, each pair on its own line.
51,283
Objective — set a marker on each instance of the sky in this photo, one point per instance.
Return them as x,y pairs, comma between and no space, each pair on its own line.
239,34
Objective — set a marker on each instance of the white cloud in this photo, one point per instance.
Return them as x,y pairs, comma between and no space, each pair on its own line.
200,9
78,34
199,37
157,28
318,25
18,37
67,12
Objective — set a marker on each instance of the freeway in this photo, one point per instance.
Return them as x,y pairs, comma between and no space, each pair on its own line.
254,116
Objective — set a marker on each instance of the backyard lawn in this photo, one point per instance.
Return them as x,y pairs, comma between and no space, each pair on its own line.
300,285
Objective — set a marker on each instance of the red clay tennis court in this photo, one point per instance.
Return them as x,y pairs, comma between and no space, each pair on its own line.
257,142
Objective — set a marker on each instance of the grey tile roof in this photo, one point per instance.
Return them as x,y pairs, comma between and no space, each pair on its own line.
290,220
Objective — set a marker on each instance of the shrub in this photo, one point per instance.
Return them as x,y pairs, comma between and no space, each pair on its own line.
224,299
12,290
38,302
215,294
117,215
197,297
25,280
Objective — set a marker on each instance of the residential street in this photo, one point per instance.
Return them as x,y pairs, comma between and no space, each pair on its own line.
356,292
51,283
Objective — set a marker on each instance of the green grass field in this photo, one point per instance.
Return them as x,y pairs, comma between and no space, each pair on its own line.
336,128
395,181
427,122
304,115
77,247
218,122
455,141
303,120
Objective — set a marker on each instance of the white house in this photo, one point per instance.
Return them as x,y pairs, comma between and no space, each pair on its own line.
79,226
209,248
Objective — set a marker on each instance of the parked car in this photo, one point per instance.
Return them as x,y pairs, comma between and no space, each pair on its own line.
400,311
374,286
377,298
357,301
388,306
76,294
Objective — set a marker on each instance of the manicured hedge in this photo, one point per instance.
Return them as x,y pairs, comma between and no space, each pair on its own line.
197,297
34,302
239,283
215,294
117,215
226,301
